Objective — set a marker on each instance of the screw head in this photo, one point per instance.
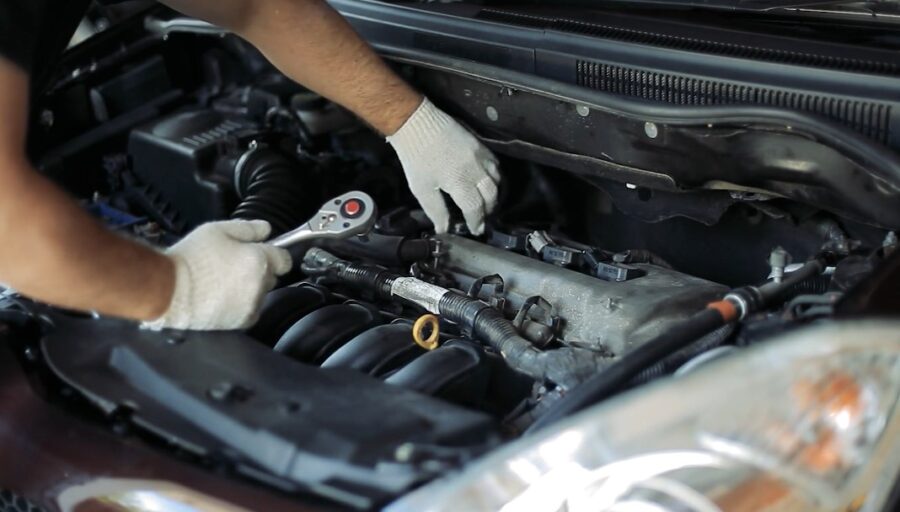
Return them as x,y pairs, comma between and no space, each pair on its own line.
47,118
175,339
583,110
492,113
651,130
404,452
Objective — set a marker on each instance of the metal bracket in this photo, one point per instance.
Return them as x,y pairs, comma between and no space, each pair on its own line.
495,297
539,328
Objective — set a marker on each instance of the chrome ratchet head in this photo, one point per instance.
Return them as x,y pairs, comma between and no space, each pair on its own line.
347,215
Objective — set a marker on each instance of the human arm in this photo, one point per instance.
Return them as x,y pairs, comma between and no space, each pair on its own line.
55,252
312,44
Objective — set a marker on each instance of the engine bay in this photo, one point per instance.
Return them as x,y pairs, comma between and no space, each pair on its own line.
387,360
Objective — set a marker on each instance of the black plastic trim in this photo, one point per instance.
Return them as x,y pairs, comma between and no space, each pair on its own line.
870,105
704,39
332,432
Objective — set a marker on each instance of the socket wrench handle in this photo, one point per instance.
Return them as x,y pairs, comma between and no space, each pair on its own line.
347,215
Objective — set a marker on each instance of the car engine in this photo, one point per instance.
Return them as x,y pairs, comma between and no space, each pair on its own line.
387,359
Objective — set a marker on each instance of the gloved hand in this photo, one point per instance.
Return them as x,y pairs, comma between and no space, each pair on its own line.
437,153
222,274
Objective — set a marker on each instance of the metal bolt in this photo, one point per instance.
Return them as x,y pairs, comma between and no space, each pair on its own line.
437,249
651,130
405,452
229,392
175,339
492,113
583,110
47,118
890,243
220,391
778,260
630,186
253,144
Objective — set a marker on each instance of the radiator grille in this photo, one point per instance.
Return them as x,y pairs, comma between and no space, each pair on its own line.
694,44
869,118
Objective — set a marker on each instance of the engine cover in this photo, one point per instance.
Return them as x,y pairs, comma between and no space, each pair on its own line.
334,432
603,315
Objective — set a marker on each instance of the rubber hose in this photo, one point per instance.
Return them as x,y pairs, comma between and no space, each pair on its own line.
770,293
565,367
676,360
815,285
371,277
382,249
272,188
630,365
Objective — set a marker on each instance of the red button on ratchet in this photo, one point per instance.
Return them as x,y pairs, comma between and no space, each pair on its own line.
352,208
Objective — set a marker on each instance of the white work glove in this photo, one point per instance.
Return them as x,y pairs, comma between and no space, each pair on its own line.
222,273
437,153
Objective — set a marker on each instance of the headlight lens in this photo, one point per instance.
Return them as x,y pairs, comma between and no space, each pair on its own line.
806,422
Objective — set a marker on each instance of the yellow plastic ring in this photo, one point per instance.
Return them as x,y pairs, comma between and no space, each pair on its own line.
431,342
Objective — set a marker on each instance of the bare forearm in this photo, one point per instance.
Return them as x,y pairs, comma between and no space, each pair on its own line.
311,43
55,252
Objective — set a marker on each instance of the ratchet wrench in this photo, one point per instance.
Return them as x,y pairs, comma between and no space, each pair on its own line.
349,214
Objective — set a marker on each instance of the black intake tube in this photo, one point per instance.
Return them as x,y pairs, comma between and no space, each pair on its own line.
275,189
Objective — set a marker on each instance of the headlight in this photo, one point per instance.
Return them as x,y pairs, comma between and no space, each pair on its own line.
806,422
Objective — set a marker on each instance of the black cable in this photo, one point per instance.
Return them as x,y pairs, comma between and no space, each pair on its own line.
668,365
301,131
619,374
394,251
772,292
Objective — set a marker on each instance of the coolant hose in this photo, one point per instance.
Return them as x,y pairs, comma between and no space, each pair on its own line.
736,305
566,367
